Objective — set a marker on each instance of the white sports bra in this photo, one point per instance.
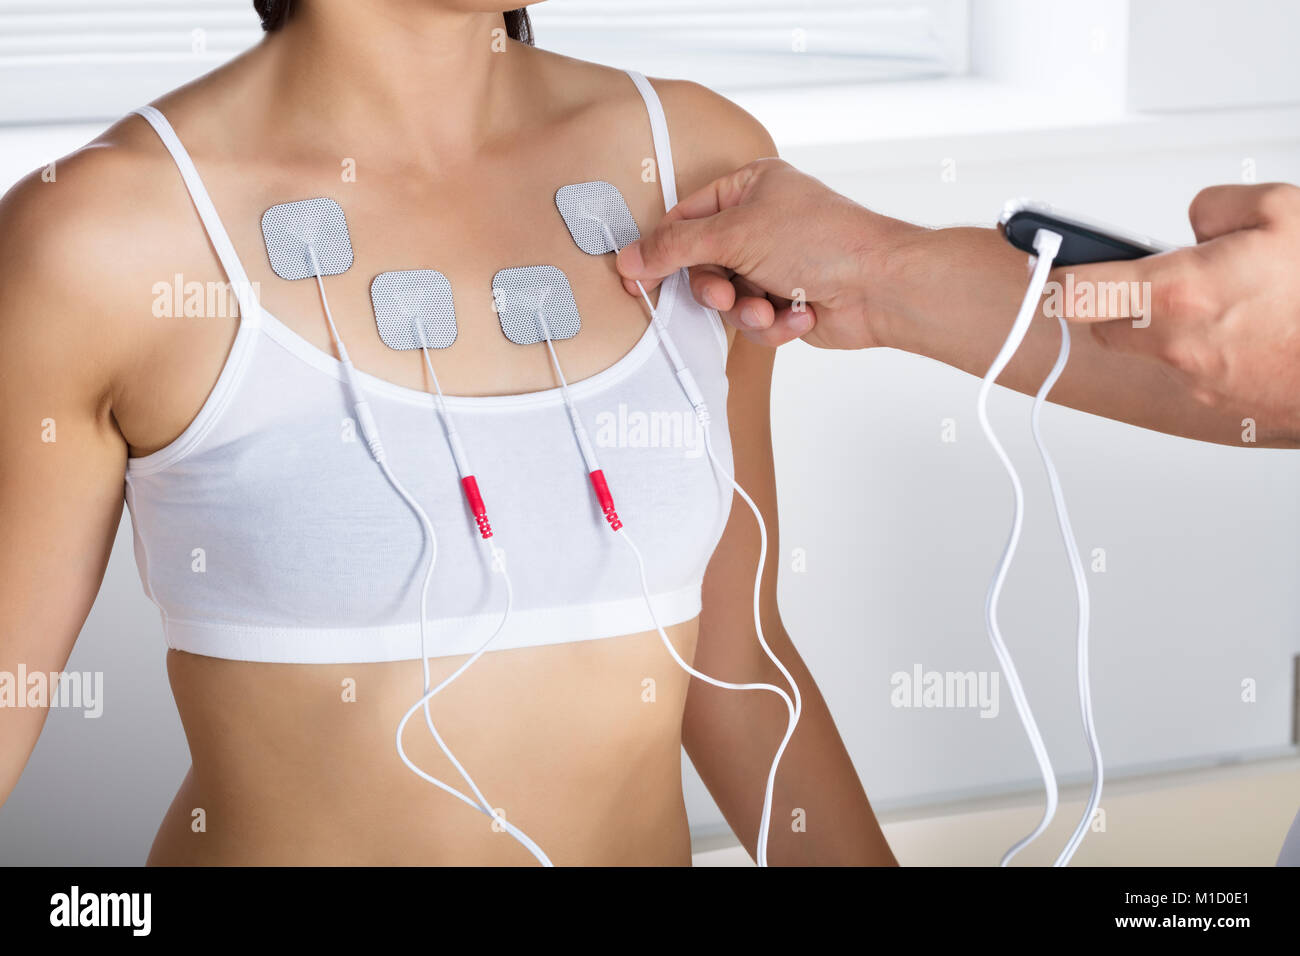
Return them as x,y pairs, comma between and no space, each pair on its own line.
264,534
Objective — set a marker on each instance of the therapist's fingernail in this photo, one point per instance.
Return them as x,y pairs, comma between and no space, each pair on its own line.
629,261
750,318
711,300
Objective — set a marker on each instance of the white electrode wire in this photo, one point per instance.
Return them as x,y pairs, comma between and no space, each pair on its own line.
428,716
496,561
329,315
483,806
769,791
1081,597
431,542
797,709
702,414
705,421
437,386
555,363
1046,244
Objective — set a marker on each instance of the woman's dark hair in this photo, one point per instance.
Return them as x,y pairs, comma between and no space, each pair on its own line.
274,13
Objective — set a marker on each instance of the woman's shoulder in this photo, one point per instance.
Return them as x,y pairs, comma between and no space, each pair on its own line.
108,182
710,134
80,237
119,184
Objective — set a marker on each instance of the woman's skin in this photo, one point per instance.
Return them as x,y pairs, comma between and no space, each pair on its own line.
457,151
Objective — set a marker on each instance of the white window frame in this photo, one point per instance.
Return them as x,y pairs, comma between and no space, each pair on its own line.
91,60
85,60
763,44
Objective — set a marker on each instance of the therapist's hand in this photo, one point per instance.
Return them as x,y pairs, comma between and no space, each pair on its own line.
777,253
1225,313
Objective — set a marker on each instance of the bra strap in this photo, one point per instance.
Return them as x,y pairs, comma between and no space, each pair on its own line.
659,129
249,310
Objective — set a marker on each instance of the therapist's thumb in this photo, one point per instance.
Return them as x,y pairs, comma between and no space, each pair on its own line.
682,243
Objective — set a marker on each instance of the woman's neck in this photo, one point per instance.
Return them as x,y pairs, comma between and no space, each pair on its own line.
429,84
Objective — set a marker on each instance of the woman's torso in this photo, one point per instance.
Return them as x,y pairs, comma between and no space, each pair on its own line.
578,741
296,764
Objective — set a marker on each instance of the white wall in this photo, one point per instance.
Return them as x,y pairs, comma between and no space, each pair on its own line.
1222,55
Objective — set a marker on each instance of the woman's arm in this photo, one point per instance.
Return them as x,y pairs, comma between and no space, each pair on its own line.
63,458
731,736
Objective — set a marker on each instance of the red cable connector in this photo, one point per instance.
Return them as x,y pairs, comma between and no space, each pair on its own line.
606,500
476,506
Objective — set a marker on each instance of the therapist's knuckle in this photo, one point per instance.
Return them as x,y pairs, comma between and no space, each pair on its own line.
1187,354
1250,249
669,242
1277,201
1181,295
749,174
1192,352
728,239
1203,206
1120,337
777,169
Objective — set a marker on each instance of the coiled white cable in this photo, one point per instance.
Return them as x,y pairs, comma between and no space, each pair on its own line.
1046,244
1081,598
370,431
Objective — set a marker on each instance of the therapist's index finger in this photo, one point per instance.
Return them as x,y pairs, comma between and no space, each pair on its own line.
688,233
725,192
679,244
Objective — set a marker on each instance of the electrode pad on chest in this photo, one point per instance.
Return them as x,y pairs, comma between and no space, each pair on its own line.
414,309
294,231
534,304
597,216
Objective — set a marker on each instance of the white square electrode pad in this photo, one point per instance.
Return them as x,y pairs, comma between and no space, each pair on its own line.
521,295
409,304
291,228
589,210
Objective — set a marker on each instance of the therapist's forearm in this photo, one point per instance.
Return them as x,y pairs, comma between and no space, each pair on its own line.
951,294
1216,355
